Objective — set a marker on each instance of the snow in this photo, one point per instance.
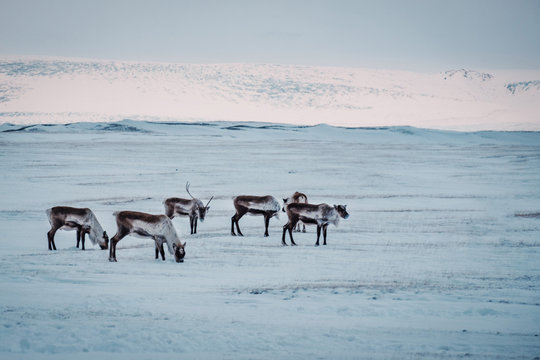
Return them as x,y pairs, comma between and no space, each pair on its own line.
36,90
438,259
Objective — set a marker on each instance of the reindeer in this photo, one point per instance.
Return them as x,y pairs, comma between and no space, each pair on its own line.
157,227
267,206
321,215
82,220
297,197
194,208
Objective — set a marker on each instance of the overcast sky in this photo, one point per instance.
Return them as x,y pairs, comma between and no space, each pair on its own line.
399,34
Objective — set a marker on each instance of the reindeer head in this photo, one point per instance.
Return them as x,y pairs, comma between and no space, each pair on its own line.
285,203
104,241
342,210
200,208
203,209
179,252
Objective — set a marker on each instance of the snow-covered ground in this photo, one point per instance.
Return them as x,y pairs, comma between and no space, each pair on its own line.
34,90
438,259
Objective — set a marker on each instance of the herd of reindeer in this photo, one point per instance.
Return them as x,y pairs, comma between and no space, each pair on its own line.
160,227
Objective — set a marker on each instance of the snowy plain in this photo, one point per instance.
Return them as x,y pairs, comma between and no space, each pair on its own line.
438,259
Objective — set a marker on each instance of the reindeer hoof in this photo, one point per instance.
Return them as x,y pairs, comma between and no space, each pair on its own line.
112,260
233,234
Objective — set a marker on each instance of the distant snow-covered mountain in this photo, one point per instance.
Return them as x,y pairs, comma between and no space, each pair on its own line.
523,86
467,74
62,91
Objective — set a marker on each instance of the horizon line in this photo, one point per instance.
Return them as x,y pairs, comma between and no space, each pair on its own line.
173,62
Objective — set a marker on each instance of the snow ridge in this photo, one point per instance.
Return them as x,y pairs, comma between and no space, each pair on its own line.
66,91
523,86
467,74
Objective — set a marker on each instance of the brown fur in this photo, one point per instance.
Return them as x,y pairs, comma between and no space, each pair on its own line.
320,215
243,205
58,218
124,222
296,198
129,216
193,208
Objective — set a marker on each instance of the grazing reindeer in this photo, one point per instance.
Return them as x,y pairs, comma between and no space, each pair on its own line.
158,227
194,208
267,206
82,220
297,197
321,215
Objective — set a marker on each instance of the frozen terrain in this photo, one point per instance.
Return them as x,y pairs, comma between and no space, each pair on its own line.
439,258
36,90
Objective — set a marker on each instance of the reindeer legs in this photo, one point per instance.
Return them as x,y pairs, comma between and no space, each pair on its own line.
323,227
266,223
159,247
238,226
324,233
82,231
290,235
300,229
318,234
193,224
79,237
162,251
50,237
288,226
121,233
234,220
285,227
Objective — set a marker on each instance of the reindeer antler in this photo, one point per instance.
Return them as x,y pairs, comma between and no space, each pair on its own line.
187,189
208,203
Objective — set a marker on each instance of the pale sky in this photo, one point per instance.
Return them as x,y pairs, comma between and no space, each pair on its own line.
399,34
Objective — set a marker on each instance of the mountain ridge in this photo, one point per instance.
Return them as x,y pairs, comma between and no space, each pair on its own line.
58,91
